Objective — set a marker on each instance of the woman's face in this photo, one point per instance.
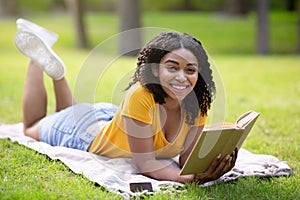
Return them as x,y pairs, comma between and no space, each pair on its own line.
178,73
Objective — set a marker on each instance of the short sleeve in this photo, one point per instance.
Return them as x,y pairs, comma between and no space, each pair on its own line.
138,104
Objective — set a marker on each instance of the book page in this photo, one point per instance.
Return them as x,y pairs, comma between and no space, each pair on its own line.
248,121
218,126
246,118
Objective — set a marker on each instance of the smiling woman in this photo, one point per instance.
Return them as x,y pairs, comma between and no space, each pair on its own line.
178,73
161,116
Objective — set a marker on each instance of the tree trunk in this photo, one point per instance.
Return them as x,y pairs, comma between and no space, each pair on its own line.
8,8
76,8
291,5
262,27
187,5
236,7
298,46
130,37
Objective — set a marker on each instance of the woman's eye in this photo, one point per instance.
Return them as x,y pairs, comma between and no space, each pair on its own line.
171,68
191,70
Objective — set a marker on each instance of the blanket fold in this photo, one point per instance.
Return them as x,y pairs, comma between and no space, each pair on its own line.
116,174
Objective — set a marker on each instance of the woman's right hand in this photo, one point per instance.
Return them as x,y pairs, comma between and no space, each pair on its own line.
218,167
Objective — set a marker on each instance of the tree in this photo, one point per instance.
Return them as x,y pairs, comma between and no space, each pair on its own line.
129,15
76,8
8,8
298,46
187,5
291,5
236,7
262,27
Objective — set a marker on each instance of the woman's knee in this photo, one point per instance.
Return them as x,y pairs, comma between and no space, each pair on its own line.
33,131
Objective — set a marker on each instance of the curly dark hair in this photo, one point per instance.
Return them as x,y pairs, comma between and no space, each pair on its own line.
155,50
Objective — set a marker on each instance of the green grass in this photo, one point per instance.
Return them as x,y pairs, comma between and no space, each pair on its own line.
268,84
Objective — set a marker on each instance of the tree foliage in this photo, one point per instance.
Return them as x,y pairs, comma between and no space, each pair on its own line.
146,5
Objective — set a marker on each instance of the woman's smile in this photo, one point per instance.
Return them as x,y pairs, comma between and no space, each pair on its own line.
178,87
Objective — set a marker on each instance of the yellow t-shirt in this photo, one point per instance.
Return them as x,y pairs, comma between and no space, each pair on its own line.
139,104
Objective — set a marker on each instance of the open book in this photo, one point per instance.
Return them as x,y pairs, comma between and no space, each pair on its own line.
219,138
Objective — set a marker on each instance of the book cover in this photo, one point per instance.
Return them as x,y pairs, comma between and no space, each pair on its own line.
218,138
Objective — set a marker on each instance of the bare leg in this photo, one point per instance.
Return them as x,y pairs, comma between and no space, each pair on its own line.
43,59
34,100
63,94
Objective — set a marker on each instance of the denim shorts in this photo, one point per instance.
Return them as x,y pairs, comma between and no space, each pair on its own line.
68,127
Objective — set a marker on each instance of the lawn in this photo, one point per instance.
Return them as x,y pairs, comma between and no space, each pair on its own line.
267,84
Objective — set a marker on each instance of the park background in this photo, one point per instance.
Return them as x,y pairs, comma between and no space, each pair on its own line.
256,52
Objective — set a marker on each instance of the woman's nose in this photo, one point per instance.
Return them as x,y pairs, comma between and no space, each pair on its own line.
180,76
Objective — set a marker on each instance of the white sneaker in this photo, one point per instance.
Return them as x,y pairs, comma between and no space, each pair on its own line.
47,36
36,49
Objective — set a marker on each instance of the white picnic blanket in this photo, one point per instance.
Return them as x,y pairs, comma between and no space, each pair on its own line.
116,174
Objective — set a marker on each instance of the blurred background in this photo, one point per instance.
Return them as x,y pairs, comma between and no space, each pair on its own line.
247,39
225,26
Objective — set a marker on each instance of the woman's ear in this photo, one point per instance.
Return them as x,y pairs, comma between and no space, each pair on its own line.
154,69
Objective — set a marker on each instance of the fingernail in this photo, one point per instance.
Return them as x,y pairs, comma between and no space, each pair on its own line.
219,156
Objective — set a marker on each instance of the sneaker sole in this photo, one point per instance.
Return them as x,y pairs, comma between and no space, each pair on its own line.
27,26
33,47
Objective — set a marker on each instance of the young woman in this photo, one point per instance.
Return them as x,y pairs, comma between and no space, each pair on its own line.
161,116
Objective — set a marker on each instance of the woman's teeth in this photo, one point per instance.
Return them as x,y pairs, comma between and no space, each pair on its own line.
178,87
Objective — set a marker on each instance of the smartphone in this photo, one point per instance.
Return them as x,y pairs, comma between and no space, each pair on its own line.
138,187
